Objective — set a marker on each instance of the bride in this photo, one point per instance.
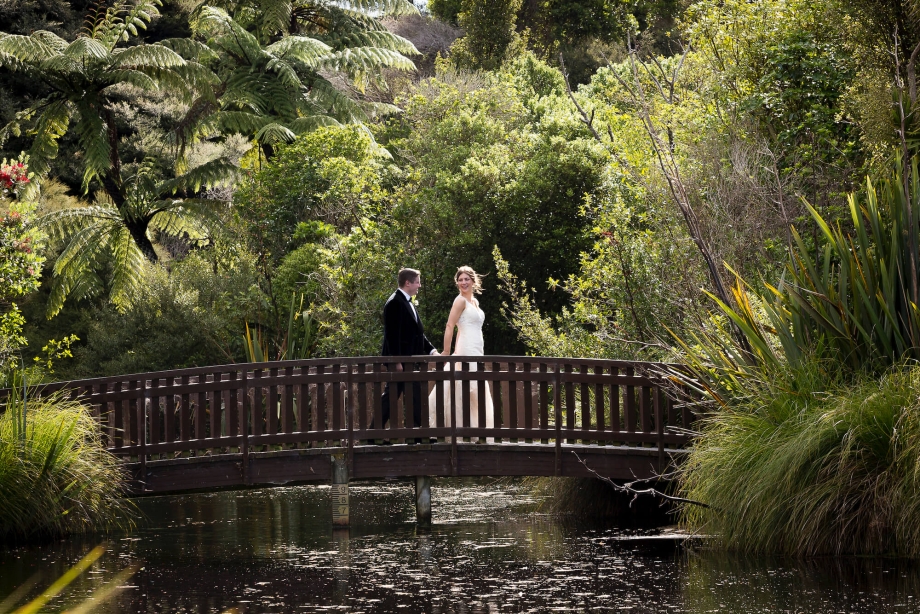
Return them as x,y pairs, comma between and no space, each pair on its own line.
466,315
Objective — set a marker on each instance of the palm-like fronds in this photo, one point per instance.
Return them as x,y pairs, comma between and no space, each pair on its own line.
80,75
100,250
271,59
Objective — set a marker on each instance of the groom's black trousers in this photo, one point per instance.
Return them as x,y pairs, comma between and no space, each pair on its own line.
400,391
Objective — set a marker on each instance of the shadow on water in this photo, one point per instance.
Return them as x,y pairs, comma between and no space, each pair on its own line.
274,550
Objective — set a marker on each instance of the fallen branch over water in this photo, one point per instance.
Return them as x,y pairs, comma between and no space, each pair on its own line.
629,488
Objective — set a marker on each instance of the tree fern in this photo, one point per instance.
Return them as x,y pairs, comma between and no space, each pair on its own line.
81,76
100,252
272,58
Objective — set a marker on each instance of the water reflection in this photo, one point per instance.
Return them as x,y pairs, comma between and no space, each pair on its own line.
274,551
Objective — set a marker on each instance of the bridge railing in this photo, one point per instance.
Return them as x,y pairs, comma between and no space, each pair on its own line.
244,408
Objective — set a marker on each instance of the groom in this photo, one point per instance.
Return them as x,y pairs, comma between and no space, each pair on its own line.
404,335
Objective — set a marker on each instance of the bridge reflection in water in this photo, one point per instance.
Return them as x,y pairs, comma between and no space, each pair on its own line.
307,421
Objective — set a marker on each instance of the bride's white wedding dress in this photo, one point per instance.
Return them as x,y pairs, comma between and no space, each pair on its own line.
469,343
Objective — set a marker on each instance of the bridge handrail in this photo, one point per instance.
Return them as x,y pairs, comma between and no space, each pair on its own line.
331,402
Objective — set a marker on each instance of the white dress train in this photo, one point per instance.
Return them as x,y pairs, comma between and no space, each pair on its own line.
469,343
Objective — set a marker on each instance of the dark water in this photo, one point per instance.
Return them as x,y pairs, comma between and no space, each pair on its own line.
274,550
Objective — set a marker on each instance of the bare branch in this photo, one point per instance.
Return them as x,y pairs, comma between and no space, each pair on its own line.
630,489
588,120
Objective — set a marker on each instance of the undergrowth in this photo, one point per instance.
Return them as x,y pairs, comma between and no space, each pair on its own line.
812,464
56,477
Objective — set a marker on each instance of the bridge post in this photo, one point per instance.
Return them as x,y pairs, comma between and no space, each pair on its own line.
423,499
339,491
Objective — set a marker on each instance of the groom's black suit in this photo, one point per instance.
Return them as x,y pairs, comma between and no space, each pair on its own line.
403,335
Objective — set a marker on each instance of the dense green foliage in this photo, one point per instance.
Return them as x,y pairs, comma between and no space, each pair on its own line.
242,180
56,477
812,465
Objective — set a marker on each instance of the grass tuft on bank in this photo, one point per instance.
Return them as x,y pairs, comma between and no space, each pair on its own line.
813,468
56,477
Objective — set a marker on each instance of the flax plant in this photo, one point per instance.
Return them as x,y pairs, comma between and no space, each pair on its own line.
56,477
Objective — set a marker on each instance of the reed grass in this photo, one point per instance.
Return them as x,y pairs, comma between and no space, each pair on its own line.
56,477
814,464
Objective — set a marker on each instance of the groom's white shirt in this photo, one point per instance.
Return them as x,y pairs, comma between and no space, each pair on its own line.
409,298
415,313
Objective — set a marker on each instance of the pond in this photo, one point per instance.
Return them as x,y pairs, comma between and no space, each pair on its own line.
487,550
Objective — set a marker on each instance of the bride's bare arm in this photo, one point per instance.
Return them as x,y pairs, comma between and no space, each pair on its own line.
455,311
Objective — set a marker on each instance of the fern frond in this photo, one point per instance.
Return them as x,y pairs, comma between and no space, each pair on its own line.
76,283
60,225
157,56
193,217
84,245
276,15
86,48
274,134
286,73
127,268
92,134
190,49
198,77
134,77
54,42
29,49
61,65
308,50
365,59
123,21
366,38
382,8
241,122
52,125
308,124
218,172
334,103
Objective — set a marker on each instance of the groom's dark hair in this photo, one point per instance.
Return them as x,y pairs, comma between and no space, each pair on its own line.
406,275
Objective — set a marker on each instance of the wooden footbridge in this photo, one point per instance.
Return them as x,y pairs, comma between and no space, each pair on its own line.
308,421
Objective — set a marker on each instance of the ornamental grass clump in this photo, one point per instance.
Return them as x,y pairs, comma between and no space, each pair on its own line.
56,477
816,467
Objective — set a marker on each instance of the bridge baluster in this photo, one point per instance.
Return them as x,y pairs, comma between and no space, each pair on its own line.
302,402
152,413
599,396
359,384
616,419
287,412
585,400
629,403
185,414
315,415
201,411
544,400
528,401
465,412
169,418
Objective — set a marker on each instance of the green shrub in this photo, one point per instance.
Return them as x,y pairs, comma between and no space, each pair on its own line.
56,477
821,466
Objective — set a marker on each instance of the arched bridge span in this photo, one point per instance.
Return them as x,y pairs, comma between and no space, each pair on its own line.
292,421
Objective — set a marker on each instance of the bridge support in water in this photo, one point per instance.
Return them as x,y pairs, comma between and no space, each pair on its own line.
423,499
339,491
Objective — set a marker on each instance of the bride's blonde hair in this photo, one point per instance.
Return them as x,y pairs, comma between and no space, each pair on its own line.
476,277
